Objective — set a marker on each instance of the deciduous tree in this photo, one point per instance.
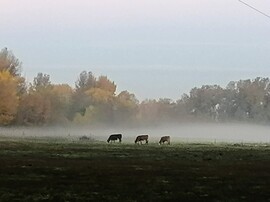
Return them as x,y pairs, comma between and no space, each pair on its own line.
36,106
8,97
8,62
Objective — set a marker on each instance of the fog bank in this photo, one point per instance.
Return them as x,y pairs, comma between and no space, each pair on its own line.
231,133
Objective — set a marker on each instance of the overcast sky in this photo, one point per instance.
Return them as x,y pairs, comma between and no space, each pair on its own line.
151,48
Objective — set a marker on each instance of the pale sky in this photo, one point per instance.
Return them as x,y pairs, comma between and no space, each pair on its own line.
152,48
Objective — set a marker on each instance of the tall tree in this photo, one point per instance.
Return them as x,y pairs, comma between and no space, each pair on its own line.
12,87
8,97
60,102
94,100
8,62
105,84
36,106
34,109
125,107
80,100
41,82
85,81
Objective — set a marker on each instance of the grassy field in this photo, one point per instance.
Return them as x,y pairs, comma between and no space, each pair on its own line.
60,170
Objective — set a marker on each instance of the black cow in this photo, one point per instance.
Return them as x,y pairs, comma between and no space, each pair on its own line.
141,138
114,137
165,139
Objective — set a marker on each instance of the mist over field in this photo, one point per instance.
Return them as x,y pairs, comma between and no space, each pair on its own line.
182,133
73,73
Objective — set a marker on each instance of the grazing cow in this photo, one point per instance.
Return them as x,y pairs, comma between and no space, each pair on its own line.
114,137
165,139
141,138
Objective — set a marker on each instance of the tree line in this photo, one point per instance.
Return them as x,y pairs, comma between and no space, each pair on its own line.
94,101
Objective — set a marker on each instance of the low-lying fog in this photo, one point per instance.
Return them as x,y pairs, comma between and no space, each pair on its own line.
238,133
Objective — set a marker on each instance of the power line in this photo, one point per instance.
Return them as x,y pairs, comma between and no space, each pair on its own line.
254,8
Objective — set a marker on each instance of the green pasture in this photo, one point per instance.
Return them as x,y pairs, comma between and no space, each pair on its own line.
58,169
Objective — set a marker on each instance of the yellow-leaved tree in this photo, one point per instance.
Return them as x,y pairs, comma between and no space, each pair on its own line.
126,107
100,106
36,106
8,97
12,86
105,84
61,102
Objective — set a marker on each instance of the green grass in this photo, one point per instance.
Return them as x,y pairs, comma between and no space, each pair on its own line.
62,170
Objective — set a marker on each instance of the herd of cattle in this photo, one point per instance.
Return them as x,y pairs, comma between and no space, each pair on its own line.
139,139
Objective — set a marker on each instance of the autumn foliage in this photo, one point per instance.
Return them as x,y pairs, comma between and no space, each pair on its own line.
9,99
95,101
